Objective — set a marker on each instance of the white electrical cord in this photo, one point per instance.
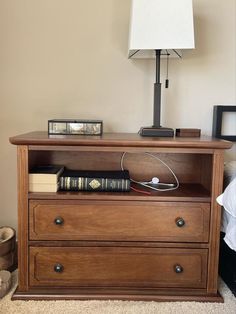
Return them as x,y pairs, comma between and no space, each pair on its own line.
155,180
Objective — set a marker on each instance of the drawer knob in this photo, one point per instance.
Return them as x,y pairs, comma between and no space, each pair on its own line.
59,221
179,222
58,268
178,269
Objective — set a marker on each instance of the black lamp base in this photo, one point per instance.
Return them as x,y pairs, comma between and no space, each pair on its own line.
156,131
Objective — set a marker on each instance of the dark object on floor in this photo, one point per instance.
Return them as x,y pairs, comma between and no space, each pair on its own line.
227,265
7,249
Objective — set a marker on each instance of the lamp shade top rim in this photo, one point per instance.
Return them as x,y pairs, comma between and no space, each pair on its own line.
161,24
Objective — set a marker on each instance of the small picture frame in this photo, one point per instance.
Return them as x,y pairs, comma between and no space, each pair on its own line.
217,128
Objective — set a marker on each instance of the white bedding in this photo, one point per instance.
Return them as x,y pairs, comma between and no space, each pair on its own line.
228,225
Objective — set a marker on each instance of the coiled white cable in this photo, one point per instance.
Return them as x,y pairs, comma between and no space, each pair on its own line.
155,180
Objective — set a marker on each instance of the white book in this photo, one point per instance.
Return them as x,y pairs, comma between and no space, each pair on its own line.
45,174
42,187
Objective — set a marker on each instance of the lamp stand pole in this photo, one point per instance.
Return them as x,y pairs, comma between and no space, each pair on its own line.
157,93
157,130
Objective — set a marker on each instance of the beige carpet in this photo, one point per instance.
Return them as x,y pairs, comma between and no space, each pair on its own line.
117,307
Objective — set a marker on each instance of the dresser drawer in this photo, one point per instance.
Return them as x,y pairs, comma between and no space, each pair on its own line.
119,221
114,267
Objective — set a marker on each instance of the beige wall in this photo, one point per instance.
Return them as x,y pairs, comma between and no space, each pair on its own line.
68,59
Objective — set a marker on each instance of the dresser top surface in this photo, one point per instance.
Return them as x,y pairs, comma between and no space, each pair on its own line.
118,140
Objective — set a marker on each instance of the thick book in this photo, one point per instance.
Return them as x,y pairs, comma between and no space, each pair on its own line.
42,187
116,181
45,174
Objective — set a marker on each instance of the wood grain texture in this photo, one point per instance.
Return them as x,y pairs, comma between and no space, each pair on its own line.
217,183
121,245
185,193
22,166
119,221
117,139
187,167
118,267
74,243
160,295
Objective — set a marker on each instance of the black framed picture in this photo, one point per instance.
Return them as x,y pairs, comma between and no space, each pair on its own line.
217,128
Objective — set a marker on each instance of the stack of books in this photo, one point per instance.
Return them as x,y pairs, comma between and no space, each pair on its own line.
82,180
45,178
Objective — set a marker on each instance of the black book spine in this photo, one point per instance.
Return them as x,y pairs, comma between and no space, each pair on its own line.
94,184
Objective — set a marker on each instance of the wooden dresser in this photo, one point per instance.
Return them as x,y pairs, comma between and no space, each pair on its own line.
113,245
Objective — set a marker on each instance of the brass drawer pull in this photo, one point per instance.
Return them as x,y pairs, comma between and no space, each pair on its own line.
58,268
178,269
58,221
179,222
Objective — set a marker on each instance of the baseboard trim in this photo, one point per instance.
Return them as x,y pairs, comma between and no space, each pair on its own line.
69,294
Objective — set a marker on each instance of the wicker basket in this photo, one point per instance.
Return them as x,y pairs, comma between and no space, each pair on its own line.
7,247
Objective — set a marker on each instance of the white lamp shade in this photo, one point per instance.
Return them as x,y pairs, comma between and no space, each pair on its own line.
161,24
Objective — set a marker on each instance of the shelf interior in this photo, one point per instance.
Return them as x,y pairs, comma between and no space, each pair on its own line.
185,192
